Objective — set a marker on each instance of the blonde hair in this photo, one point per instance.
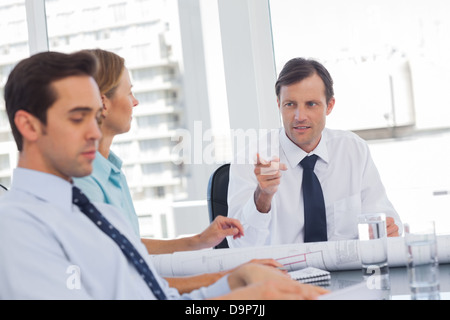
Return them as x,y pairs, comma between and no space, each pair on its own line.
110,69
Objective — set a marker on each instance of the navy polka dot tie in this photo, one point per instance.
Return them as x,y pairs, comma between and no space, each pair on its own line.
133,256
314,205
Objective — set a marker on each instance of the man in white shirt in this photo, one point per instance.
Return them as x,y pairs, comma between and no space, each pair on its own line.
266,196
49,247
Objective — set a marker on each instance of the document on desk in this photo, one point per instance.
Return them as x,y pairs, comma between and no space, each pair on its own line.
330,255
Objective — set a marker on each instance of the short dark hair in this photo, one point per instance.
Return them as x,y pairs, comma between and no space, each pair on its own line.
29,85
298,69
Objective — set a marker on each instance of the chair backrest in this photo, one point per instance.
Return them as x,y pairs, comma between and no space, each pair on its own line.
217,196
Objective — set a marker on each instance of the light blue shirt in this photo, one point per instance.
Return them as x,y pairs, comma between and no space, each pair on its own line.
50,250
108,184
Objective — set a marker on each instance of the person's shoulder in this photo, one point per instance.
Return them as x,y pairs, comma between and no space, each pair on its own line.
347,142
344,136
11,202
19,210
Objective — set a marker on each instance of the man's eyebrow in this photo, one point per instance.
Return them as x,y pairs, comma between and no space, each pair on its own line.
83,109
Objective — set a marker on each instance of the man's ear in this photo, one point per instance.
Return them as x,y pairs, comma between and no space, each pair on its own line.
330,105
28,125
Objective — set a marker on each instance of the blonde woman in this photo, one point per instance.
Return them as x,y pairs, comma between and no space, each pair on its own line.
108,184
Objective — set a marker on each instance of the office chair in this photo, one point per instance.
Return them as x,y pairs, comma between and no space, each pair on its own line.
217,196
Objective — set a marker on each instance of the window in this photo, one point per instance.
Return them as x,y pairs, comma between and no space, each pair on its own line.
389,61
378,49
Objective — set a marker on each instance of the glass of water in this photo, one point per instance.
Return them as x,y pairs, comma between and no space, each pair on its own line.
422,260
373,249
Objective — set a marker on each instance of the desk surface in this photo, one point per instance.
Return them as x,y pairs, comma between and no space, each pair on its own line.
398,282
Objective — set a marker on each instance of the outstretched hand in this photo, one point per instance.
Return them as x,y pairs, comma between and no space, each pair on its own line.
219,229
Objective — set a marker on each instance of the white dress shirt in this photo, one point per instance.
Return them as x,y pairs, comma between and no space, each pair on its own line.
350,182
50,250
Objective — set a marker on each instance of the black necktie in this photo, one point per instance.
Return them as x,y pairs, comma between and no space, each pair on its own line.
314,205
133,256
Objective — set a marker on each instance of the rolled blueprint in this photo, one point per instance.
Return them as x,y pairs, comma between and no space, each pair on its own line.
330,255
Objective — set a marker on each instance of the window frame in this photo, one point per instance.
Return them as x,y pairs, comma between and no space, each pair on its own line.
37,26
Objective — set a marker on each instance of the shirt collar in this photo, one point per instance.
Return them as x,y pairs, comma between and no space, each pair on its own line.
115,160
103,168
44,186
294,154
